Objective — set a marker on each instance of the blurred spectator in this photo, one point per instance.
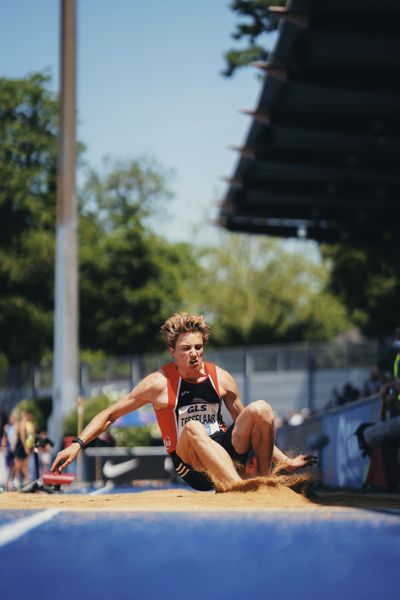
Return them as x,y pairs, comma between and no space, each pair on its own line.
295,418
335,398
298,417
390,399
306,413
44,452
373,384
8,446
389,369
284,421
389,364
3,421
25,441
349,393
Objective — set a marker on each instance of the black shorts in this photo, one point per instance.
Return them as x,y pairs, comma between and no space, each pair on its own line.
20,451
199,480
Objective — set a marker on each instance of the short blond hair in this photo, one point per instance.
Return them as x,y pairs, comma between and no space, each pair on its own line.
183,323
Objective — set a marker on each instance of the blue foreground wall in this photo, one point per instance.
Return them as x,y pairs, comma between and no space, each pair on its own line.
341,461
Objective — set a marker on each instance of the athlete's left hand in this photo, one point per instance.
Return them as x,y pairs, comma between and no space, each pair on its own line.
300,461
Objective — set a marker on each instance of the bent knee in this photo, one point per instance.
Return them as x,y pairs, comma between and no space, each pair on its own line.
193,429
261,411
190,439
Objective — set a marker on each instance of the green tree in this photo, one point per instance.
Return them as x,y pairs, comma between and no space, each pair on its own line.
131,279
254,21
256,291
28,119
366,280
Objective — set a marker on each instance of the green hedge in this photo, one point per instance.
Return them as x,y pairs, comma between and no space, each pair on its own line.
124,436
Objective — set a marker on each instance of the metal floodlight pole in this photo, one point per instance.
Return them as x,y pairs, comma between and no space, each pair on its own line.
65,359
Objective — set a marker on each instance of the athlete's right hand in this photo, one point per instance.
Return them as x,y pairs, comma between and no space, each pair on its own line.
65,458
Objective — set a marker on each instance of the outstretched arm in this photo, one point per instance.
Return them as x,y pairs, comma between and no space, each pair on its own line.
147,391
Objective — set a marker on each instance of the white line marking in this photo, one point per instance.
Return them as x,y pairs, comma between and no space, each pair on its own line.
10,533
13,531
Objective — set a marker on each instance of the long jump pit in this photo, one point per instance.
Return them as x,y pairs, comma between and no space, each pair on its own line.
263,496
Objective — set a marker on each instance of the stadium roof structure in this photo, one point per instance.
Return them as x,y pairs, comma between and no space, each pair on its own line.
321,157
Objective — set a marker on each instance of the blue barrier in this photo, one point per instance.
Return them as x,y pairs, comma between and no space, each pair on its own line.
342,463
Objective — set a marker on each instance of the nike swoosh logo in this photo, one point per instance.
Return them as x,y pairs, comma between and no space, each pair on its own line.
112,470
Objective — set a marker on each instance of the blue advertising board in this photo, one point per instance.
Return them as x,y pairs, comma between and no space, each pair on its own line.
343,464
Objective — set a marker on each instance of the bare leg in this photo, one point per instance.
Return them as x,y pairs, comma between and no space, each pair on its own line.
255,428
197,449
18,474
25,470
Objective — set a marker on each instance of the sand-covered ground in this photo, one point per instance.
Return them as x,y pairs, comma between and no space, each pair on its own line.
265,498
159,500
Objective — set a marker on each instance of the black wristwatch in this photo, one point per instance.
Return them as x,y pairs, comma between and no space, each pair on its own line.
78,440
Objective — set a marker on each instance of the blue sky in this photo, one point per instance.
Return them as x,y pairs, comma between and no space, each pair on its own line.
149,83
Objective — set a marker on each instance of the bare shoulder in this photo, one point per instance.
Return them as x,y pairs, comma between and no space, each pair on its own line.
152,389
154,383
226,380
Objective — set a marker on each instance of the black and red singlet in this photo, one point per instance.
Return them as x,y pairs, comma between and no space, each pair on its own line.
189,401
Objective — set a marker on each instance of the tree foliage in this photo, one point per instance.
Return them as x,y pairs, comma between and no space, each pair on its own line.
146,435
131,279
366,280
254,21
28,119
256,291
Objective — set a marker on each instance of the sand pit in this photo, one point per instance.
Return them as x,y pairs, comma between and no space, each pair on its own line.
265,498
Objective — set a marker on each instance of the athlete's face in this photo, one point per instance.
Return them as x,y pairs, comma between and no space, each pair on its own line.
188,354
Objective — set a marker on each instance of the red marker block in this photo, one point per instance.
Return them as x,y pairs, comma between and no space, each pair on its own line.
60,479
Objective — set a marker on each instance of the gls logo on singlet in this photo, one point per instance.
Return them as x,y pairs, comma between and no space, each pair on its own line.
206,414
197,408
